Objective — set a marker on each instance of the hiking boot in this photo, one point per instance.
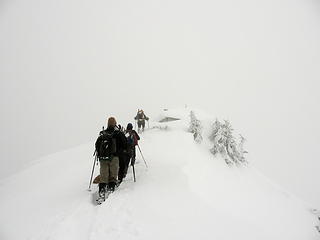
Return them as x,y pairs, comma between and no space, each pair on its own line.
102,189
102,194
119,182
125,173
111,186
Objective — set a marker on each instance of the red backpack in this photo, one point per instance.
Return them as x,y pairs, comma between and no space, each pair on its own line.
132,139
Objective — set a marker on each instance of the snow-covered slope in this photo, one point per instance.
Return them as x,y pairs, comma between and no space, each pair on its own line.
184,194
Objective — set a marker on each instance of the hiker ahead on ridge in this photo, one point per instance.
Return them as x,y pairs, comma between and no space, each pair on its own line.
141,119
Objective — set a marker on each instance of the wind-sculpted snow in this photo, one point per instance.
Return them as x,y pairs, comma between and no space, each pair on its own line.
186,193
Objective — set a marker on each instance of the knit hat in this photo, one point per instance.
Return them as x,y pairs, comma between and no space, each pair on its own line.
129,126
112,122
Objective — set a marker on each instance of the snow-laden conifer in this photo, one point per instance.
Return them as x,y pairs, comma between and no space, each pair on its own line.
195,127
225,144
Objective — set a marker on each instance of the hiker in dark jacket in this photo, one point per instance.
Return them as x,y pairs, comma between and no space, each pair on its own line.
123,159
132,142
141,120
109,146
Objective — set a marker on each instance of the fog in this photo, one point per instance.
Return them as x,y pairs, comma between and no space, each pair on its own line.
65,66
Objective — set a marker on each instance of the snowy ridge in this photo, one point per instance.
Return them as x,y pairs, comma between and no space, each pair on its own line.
185,193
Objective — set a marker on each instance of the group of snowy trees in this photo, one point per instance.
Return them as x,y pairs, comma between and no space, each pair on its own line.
224,142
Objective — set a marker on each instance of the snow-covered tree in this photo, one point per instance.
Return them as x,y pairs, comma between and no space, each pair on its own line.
225,144
195,127
241,149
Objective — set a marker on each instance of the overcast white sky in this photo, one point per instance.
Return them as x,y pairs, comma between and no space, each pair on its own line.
66,65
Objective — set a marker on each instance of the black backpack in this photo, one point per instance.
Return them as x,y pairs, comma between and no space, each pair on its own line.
106,145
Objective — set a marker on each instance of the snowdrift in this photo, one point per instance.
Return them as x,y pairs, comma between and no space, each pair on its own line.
186,193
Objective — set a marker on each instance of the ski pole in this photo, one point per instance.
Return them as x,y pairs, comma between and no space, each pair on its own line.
94,163
142,156
134,173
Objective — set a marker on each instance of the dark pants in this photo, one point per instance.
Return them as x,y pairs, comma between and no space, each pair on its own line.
133,156
123,163
141,123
